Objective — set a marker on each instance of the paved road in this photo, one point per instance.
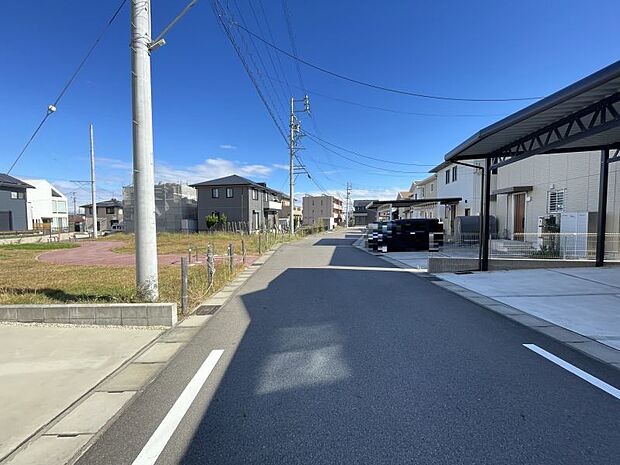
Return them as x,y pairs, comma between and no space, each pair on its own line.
331,356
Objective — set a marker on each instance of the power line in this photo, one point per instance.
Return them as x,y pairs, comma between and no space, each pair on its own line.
316,141
393,110
219,13
378,86
312,136
52,108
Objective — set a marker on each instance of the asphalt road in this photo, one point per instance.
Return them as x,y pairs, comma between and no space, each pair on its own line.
332,356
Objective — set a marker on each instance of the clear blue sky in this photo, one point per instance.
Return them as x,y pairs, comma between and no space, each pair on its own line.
209,121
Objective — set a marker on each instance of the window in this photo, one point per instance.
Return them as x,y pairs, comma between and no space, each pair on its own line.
17,195
467,211
215,193
447,176
109,210
59,206
431,187
265,196
423,193
254,194
229,192
454,173
555,201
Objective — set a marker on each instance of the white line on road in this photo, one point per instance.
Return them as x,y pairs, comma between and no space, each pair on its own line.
155,445
576,371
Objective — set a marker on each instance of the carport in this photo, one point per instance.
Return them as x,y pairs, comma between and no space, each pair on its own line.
584,116
389,204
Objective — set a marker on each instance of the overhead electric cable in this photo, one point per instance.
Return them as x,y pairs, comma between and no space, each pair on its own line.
378,86
52,108
312,136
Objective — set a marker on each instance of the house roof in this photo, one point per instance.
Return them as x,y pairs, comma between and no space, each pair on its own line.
10,181
236,180
105,203
546,112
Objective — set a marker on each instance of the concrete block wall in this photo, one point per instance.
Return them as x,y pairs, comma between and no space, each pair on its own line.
164,314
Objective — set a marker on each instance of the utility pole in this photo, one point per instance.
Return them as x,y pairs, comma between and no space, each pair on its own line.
348,204
143,170
74,203
93,190
294,127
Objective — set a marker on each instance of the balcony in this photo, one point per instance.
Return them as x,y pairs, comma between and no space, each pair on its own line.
273,205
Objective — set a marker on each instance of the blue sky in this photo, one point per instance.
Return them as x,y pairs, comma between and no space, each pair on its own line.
209,121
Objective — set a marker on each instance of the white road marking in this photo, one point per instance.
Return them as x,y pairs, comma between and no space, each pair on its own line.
155,445
576,371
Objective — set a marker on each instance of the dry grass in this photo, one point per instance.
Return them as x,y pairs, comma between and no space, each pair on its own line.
179,243
25,280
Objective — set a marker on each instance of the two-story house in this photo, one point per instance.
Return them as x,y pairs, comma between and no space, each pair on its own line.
458,181
361,215
47,207
13,206
240,200
109,215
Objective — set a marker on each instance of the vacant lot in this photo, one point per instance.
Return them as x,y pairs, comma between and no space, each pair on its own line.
25,280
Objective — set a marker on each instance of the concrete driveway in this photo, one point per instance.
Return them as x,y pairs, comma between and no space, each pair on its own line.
583,300
44,369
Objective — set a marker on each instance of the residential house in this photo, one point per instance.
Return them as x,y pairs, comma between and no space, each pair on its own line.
425,189
458,181
13,204
286,212
240,200
109,215
176,208
554,192
47,207
403,212
322,209
361,215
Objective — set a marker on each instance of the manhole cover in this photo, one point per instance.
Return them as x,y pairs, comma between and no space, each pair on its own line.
207,309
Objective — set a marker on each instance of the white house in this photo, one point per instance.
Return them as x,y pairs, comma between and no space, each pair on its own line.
47,206
425,189
555,187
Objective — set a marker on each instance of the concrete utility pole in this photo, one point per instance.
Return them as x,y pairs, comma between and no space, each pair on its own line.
291,147
143,170
347,206
93,190
294,127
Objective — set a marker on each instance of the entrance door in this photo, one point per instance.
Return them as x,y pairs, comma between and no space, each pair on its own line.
518,202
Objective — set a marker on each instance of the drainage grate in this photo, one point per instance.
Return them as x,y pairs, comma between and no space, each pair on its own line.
463,272
432,278
207,309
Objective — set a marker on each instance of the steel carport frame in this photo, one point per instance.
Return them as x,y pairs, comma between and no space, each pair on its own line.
584,116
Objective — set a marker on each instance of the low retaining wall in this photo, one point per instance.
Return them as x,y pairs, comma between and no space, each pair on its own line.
453,264
93,314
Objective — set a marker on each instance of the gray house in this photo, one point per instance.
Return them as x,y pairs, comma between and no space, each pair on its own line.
109,215
240,200
13,204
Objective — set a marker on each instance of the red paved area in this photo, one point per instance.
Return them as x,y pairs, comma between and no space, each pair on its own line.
99,253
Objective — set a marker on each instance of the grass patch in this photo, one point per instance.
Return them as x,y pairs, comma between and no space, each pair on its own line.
24,280
39,246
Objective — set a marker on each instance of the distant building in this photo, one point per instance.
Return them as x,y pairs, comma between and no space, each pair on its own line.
425,189
322,209
241,200
13,206
361,215
47,207
109,215
286,212
175,208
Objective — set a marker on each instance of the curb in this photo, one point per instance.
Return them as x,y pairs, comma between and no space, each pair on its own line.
80,424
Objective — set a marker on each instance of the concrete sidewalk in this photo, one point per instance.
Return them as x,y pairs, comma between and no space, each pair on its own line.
46,368
583,300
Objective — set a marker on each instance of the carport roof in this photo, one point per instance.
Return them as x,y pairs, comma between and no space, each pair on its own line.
410,202
575,105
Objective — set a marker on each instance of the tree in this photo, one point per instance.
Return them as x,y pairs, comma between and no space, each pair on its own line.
211,220
222,218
